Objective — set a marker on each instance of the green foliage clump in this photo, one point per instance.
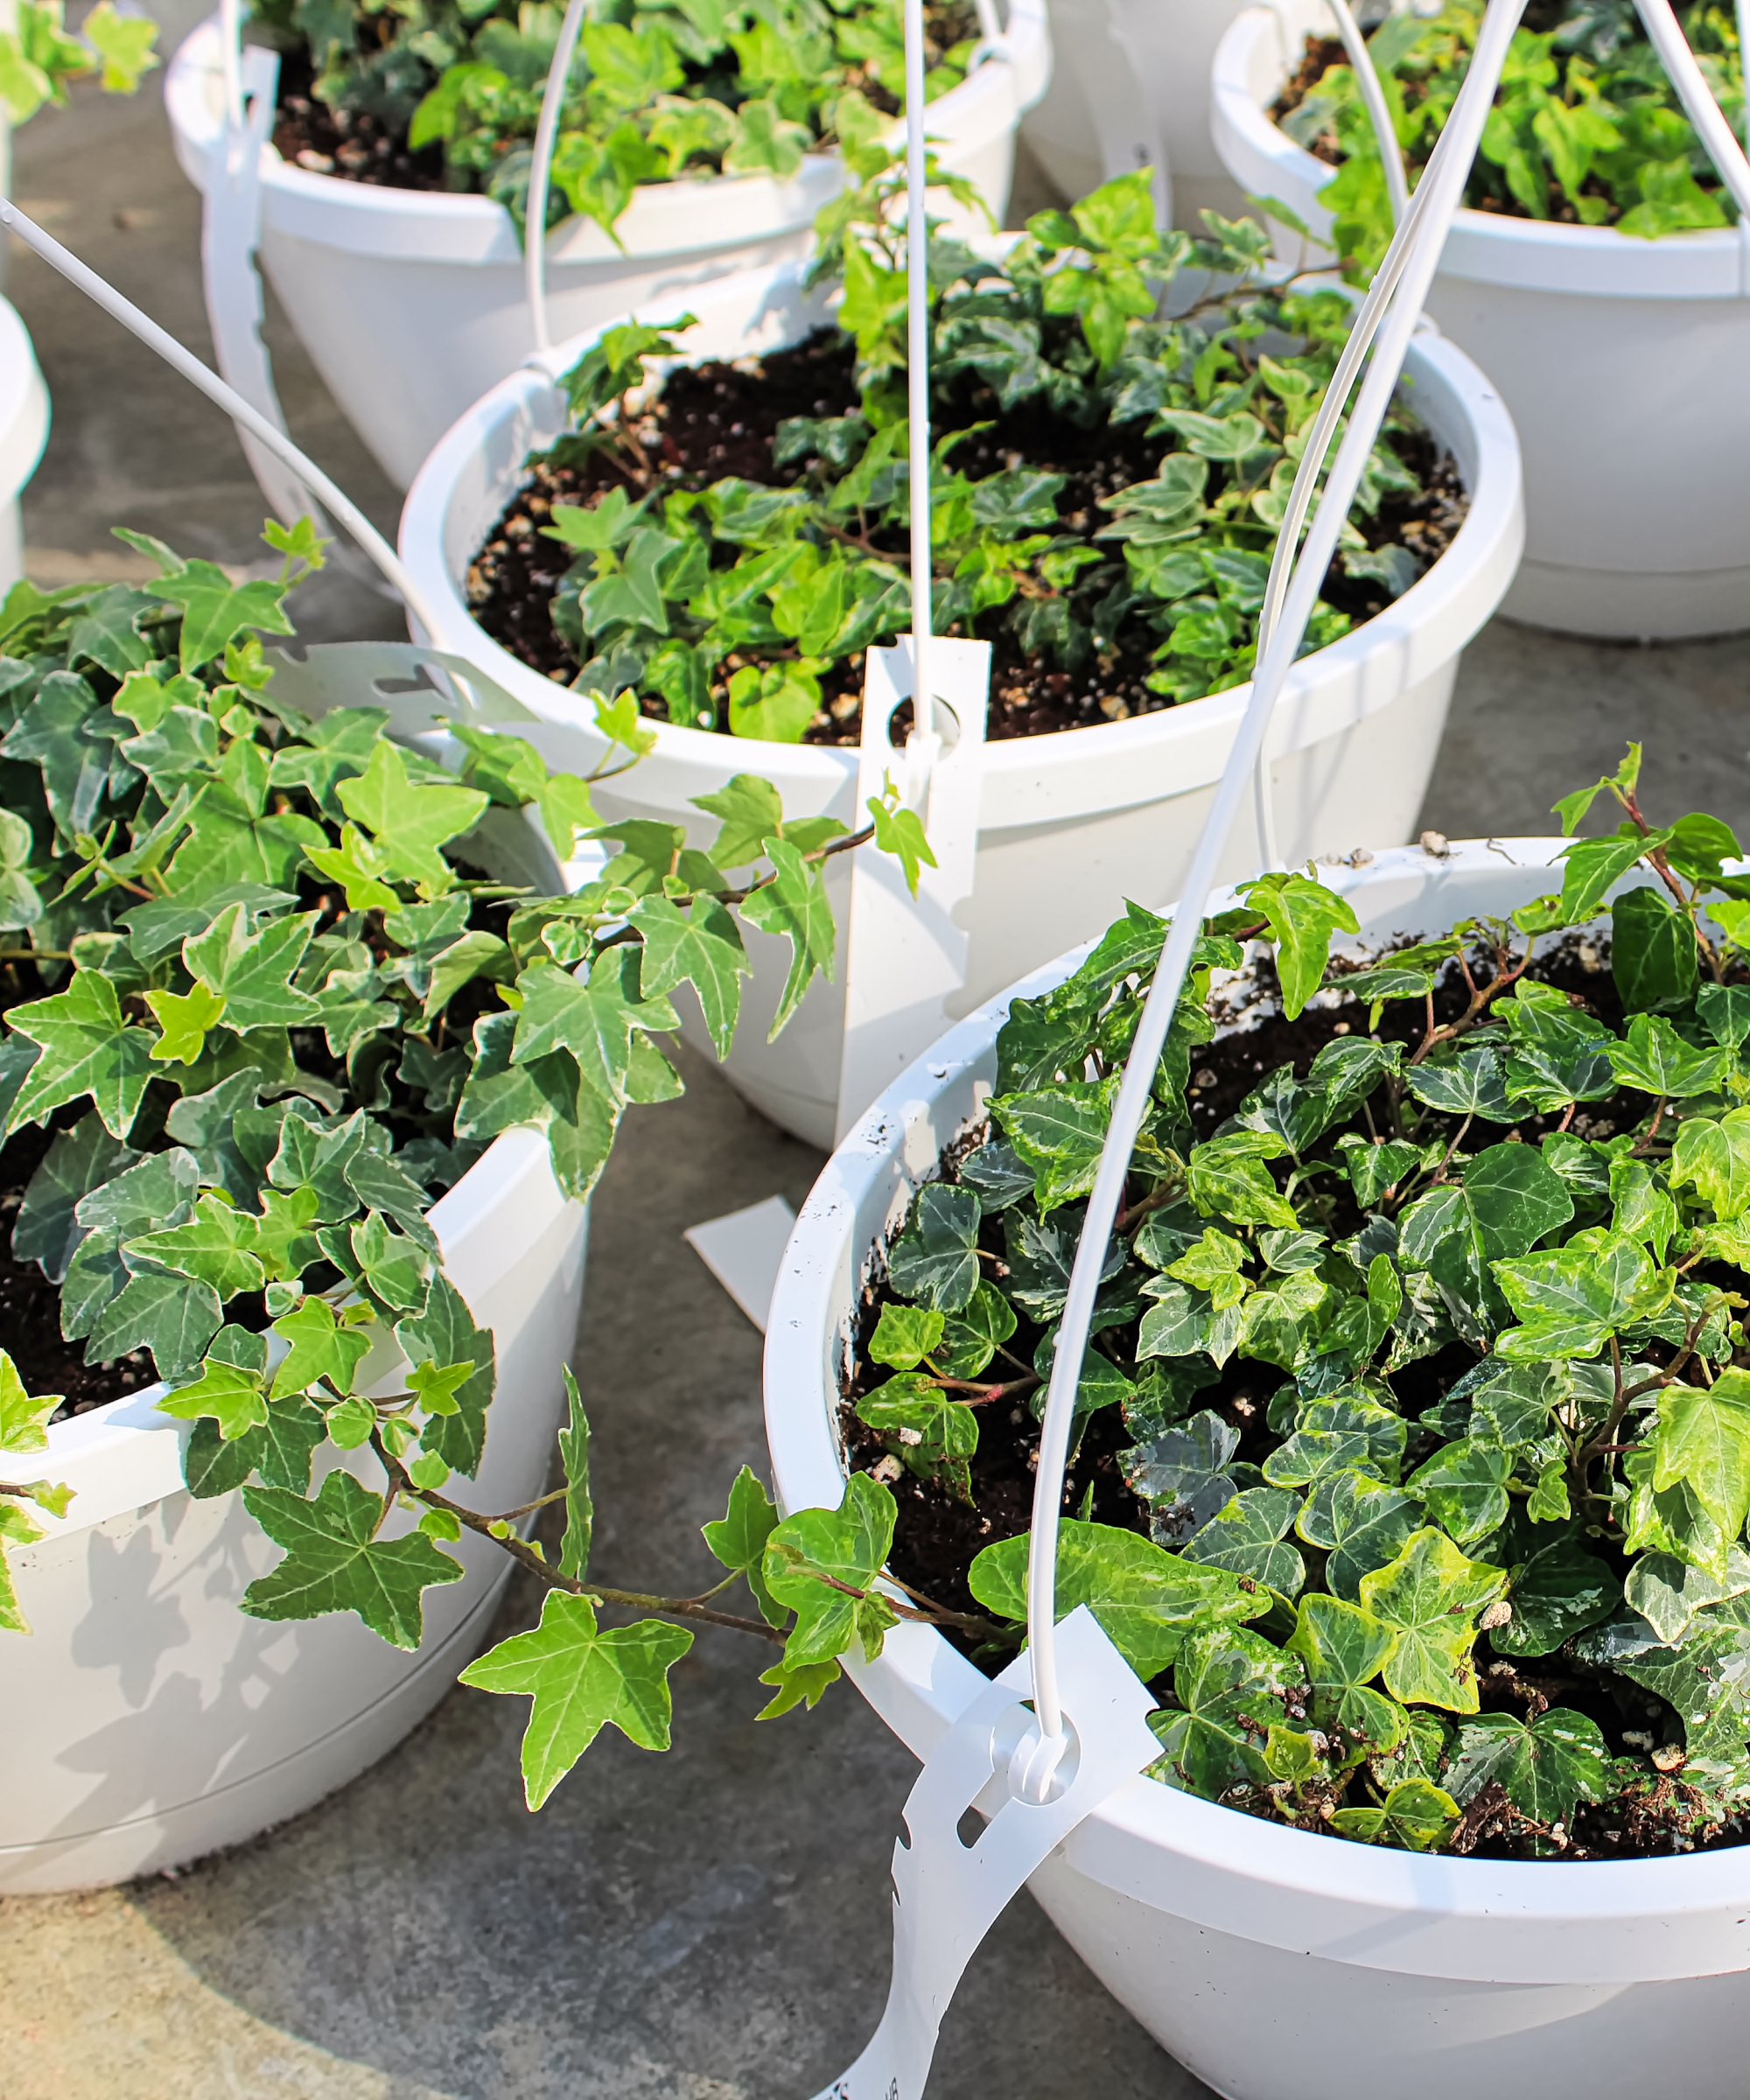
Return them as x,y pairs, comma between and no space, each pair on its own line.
1429,1357
262,1005
37,58
660,90
741,605
1587,126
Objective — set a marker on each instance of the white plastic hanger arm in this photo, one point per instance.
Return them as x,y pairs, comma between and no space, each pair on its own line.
1378,109
917,375
1416,250
1675,55
240,411
540,175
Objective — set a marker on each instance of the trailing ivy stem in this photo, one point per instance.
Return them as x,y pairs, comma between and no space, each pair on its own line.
529,1556
1652,1128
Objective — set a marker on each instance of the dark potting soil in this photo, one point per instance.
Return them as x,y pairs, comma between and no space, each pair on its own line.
938,1536
354,147
715,420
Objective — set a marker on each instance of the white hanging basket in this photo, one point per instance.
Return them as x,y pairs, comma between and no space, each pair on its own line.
1269,1961
1620,359
1070,824
23,432
149,1720
412,304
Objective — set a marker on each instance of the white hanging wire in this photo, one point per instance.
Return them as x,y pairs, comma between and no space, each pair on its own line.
266,433
917,377
541,172
230,59
1679,61
1743,62
1407,272
1378,109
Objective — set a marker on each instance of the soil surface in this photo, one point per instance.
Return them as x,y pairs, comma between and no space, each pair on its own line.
359,147
938,1536
715,420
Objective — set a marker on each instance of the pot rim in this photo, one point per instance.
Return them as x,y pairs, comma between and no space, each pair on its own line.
663,219
1534,254
1365,670
1426,1914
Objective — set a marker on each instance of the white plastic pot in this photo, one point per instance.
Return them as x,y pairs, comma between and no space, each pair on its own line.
23,432
1622,361
148,1720
1078,130
412,304
1272,1962
1070,824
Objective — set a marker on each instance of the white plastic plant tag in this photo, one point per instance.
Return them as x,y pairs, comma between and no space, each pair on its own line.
947,1894
231,227
744,1250
906,957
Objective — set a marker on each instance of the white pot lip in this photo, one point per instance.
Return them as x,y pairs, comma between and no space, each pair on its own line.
800,1426
132,1420
23,403
1494,513
759,203
1523,251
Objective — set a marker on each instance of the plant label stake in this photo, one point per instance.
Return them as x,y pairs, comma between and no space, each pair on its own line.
1060,1763
905,956
946,1894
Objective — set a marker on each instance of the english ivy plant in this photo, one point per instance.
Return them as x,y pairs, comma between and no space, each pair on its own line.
661,90
1416,1429
263,1001
1108,482
1587,126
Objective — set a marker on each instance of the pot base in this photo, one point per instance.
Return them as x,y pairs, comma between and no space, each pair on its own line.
1608,605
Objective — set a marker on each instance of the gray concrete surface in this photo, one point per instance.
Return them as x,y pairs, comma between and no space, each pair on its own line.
710,1925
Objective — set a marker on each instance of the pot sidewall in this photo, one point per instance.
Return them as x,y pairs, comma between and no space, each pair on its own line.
1256,1954
1636,525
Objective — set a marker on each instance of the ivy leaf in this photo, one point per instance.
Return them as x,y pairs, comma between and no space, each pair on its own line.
905,1335
215,611
183,1019
738,1539
702,948
1712,1157
1546,1768
394,1268
1416,1815
935,1435
900,832
1147,1599
1303,916
87,1048
409,823
1667,1592
1344,1647
280,1449
1653,955
752,810
1060,1135
1247,1537
580,1678
1364,1523
807,1683
1464,1487
848,1544
1590,865
252,972
444,1334
229,1394
380,1184
1702,1437
318,1348
334,1561
23,1419
595,1019
79,1160
1572,1298
972,1337
793,904
173,1318
1656,1059
1227,1179
1429,1597
1374,1169
1230,1685
1471,1085
936,1259
574,1456
214,1247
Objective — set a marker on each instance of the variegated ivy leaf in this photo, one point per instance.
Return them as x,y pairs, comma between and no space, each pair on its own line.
1430,1597
1248,1536
1546,1767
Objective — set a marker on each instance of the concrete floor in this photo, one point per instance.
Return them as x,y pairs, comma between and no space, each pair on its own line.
710,1925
